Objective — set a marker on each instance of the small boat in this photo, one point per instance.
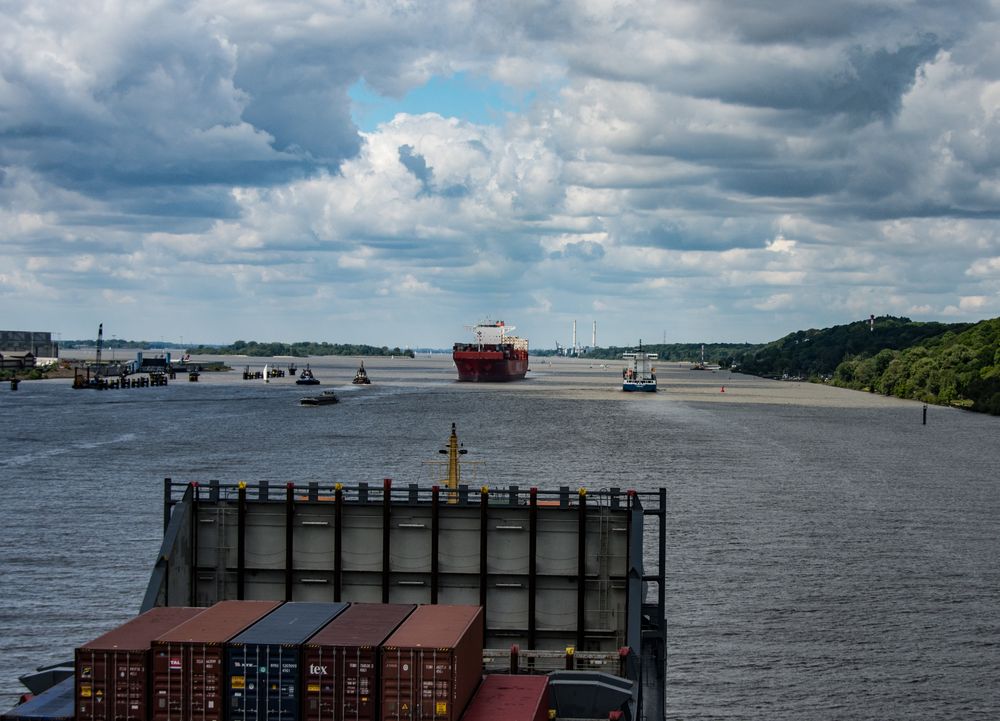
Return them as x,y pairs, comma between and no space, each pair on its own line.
323,399
639,375
306,378
361,377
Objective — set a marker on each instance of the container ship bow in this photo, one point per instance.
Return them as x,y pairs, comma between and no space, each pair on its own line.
493,356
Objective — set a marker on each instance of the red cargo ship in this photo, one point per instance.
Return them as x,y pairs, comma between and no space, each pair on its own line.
494,356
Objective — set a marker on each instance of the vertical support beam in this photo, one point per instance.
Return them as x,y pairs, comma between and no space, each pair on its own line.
661,600
241,542
532,562
484,516
633,580
581,567
338,537
289,535
628,562
167,504
386,520
193,569
435,530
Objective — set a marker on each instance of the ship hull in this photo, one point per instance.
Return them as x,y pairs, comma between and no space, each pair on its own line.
490,366
640,386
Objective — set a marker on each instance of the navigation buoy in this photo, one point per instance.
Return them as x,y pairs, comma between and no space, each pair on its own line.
723,389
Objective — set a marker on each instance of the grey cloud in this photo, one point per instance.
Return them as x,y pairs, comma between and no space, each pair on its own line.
584,250
417,165
874,82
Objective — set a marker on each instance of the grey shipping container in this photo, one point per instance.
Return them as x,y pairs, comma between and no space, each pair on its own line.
263,662
53,704
341,665
432,664
510,698
112,671
189,680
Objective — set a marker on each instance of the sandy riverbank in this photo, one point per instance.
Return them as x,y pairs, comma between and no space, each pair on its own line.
562,377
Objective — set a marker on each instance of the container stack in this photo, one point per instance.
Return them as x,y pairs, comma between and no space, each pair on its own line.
189,681
432,664
294,661
264,662
342,669
112,671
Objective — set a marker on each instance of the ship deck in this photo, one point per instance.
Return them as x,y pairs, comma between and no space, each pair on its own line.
553,570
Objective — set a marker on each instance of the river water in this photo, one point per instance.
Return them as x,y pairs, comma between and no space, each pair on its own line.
829,555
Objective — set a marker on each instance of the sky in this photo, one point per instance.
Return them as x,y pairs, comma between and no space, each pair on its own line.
392,172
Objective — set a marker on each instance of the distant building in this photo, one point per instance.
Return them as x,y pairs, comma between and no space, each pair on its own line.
40,345
16,360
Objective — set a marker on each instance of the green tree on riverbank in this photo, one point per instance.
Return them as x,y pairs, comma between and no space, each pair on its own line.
302,349
960,369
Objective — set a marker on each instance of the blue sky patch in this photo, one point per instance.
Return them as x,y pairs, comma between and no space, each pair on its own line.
464,96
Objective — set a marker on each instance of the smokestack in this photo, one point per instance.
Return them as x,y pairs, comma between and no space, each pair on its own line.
593,338
574,337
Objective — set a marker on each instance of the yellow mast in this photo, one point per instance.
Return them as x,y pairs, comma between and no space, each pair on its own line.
454,471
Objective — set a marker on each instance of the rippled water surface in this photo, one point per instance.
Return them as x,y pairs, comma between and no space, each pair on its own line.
829,556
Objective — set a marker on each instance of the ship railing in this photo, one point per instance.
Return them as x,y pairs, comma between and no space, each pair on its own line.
516,660
412,493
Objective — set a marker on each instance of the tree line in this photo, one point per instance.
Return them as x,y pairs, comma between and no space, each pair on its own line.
302,349
948,364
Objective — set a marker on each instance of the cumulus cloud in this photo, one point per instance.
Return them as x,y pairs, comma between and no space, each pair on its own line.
743,170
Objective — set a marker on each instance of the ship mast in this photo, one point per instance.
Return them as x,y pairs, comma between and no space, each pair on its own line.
454,470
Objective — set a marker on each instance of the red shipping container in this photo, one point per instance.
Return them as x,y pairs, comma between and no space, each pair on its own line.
432,664
342,672
112,671
188,661
510,698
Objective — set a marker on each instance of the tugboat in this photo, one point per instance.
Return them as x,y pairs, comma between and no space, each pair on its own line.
324,399
306,378
361,377
494,356
639,375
